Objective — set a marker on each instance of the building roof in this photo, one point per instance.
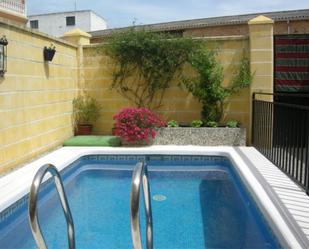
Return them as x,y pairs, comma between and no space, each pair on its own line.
64,12
213,21
60,12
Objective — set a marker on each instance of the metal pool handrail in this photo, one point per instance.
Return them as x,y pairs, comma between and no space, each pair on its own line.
140,174
33,210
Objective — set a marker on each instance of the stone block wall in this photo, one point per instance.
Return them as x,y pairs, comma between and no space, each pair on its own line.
35,96
177,103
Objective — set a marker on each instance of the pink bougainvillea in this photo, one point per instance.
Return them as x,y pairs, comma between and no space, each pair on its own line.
136,124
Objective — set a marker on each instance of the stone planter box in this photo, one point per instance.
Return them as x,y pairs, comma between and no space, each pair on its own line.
205,136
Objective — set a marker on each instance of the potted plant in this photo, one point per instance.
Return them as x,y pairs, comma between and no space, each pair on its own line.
49,52
86,111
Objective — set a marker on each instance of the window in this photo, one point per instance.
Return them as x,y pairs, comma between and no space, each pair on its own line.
70,20
34,24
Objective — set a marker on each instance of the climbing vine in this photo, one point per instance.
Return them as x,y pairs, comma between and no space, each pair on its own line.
146,63
207,87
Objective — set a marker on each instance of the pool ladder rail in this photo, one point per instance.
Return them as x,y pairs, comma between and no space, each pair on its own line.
33,208
140,174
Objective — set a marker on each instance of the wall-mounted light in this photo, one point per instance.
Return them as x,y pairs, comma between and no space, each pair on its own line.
49,52
3,55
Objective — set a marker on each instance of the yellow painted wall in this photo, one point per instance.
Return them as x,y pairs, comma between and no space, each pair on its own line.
177,104
261,54
35,96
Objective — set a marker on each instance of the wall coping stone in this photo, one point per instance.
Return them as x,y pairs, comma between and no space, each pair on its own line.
209,38
77,32
260,20
223,38
23,28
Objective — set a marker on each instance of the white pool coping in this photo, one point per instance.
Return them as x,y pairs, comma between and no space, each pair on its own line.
284,205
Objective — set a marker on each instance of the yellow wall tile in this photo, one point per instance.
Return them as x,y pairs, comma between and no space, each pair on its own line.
35,96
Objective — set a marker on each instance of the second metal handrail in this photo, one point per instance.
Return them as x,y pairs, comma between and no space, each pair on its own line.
140,174
33,210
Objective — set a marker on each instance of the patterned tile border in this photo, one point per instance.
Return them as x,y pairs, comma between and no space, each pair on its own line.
6,213
155,158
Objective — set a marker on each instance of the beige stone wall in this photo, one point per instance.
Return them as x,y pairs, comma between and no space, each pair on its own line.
219,30
291,27
279,27
261,55
35,96
97,78
177,104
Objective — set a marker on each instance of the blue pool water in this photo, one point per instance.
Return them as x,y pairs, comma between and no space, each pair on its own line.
197,203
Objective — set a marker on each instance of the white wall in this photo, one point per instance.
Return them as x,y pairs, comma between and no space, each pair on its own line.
97,22
55,24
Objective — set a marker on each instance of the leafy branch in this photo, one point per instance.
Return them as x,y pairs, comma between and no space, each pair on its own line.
146,63
207,85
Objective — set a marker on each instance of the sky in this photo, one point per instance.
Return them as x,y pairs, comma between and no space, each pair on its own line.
121,13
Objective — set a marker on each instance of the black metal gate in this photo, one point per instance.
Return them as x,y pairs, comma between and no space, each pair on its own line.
281,132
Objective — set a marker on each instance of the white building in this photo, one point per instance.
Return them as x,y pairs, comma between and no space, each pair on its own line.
56,24
14,10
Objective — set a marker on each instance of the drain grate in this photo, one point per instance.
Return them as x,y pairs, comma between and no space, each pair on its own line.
159,197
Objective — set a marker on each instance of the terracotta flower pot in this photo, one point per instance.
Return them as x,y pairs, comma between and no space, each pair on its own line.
83,129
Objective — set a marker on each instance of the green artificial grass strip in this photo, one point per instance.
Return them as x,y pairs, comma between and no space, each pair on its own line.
110,141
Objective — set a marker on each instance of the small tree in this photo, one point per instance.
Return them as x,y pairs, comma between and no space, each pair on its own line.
207,85
145,64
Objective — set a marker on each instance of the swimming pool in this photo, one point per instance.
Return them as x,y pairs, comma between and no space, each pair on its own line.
198,201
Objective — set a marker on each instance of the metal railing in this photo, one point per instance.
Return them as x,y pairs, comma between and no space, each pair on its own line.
280,131
33,209
16,6
140,174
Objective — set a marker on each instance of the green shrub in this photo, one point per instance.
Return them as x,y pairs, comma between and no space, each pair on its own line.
196,123
212,124
232,123
172,123
136,124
